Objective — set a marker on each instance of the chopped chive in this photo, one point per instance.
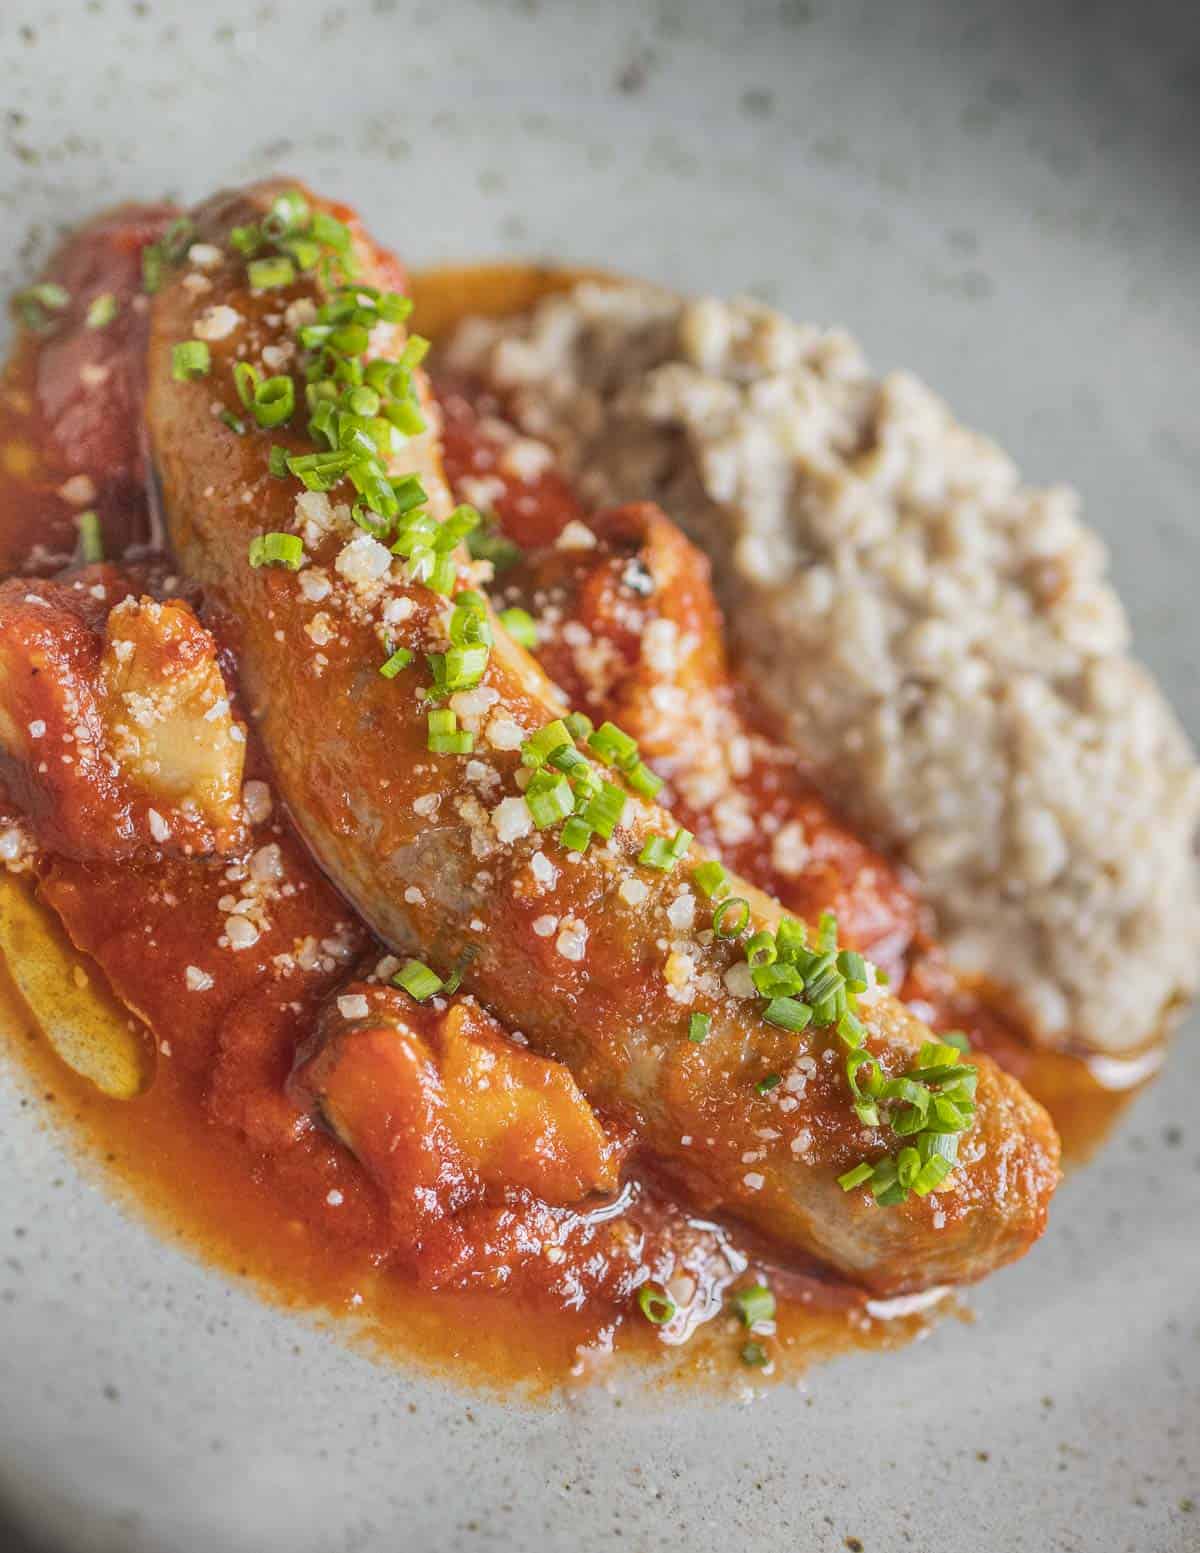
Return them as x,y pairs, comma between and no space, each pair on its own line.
288,214
788,1014
761,949
576,835
644,782
656,1304
277,462
189,359
460,742
303,251
34,304
269,274
461,522
101,311
791,938
91,539
400,659
851,1029
521,626
274,401
614,746
766,1084
854,968
245,240
538,747
416,347
852,1178
731,916
465,667
699,1026
777,980
277,550
469,624
603,811
663,855
153,265
417,980
711,879
245,380
443,574
235,424
549,798
754,1304
330,232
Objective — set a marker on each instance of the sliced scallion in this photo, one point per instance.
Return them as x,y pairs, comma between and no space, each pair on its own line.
417,980
655,1304
190,359
277,550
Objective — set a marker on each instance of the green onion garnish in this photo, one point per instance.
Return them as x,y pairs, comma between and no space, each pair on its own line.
643,781
769,1082
274,401
101,311
549,798
461,522
754,1354
442,575
538,747
445,736
235,424
34,304
277,550
245,240
663,855
614,746
189,359
269,274
754,1304
417,980
791,937
288,213
330,232
521,626
731,916
656,1304
576,835
711,879
604,810
400,659
245,380
761,950
856,1177
788,1014
465,667
699,1026
91,539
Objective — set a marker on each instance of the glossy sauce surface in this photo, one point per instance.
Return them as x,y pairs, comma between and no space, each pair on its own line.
214,1152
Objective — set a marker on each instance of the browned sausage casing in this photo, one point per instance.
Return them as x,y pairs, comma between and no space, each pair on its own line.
594,960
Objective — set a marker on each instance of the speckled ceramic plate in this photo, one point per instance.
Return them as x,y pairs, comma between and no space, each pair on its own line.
1002,197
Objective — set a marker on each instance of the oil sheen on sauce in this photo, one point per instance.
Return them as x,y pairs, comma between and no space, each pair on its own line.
206,1189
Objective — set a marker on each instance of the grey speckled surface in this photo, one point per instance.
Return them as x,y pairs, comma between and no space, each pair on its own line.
1000,196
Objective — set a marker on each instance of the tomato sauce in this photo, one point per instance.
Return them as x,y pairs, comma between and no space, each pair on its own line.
219,1151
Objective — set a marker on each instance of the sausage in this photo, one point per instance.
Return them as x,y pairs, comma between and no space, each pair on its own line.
588,954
